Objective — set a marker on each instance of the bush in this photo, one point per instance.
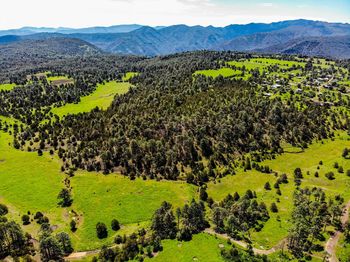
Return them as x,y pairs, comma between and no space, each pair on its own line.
118,239
267,186
26,220
330,175
3,210
115,225
101,230
348,172
73,225
340,170
274,208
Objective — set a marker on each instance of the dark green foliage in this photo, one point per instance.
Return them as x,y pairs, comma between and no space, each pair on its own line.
65,198
203,195
177,121
310,217
330,175
163,222
115,225
237,217
73,225
235,255
26,220
12,240
3,209
267,186
101,230
274,208
65,243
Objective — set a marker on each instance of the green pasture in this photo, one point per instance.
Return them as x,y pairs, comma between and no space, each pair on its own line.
100,198
7,87
202,247
277,227
129,75
102,97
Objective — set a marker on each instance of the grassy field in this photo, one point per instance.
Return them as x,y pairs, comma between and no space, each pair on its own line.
343,250
129,75
202,247
274,230
225,72
100,198
7,87
102,98
280,63
57,78
32,185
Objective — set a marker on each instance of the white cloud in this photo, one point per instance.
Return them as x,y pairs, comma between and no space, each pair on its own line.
266,4
83,13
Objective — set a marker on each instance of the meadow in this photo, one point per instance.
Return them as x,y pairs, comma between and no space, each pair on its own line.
102,97
101,198
202,247
276,228
35,183
7,87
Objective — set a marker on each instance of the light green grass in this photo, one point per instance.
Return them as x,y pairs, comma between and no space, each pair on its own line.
102,198
7,87
202,247
343,250
274,231
129,75
225,72
102,97
29,183
281,63
57,78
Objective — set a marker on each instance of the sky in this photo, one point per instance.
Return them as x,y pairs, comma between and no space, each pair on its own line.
86,13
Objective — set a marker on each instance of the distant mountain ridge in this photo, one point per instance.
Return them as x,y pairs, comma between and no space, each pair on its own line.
149,41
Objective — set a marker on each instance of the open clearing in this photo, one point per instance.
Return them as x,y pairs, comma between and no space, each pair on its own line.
102,98
7,87
34,184
202,247
277,226
101,198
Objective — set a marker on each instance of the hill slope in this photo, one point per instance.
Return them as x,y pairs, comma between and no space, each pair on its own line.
333,47
148,41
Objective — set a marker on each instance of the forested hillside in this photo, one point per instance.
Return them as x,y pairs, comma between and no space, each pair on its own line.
218,156
152,41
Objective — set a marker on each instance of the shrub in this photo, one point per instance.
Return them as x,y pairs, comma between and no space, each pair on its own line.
26,220
73,225
115,225
3,210
330,175
101,230
274,208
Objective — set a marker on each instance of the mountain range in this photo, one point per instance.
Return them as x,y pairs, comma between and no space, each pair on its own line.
304,37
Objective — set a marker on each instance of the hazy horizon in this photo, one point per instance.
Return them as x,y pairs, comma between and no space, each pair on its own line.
104,13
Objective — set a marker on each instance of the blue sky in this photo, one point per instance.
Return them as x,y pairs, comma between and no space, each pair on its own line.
84,13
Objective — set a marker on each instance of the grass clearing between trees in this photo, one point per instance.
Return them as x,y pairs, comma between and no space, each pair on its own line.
102,198
102,97
276,228
129,75
7,87
202,247
33,185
